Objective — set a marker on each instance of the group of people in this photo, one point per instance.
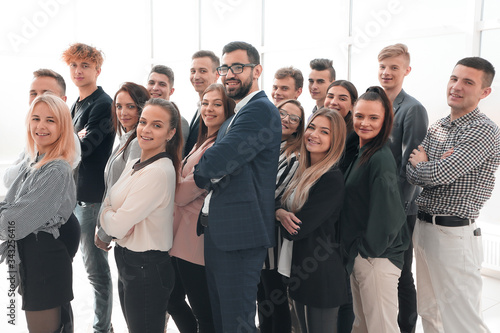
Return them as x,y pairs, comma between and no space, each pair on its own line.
250,202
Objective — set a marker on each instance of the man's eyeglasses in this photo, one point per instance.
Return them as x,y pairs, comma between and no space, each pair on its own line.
292,118
236,69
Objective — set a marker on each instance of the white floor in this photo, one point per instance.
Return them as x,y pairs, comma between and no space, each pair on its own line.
83,307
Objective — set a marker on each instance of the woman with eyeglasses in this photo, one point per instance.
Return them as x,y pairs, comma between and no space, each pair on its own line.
125,112
274,316
309,216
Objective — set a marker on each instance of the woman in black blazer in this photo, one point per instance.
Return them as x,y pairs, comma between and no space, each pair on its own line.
309,216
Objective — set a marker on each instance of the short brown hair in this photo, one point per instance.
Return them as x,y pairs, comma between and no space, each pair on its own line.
294,73
43,72
80,51
322,64
394,51
209,54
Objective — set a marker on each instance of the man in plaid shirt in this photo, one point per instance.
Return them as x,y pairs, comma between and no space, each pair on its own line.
455,165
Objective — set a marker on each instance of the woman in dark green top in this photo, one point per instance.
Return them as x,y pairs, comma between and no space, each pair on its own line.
373,229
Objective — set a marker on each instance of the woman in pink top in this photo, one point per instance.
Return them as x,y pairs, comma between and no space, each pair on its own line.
187,249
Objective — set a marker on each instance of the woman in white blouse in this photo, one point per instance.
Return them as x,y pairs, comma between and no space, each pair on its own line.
138,212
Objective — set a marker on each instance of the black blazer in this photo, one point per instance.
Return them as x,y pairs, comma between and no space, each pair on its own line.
318,277
194,128
94,114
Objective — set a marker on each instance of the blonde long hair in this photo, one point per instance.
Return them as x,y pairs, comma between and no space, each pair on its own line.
64,147
307,175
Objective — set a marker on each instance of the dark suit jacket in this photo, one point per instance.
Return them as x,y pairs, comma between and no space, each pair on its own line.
316,245
242,205
194,128
408,131
94,114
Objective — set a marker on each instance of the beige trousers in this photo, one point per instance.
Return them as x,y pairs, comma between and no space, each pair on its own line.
374,283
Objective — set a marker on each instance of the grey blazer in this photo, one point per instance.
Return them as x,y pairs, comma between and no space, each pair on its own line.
408,131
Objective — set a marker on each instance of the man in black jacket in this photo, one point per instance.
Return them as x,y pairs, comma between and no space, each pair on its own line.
92,122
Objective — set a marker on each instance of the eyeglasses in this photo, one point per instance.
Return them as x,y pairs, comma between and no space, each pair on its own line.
292,118
236,69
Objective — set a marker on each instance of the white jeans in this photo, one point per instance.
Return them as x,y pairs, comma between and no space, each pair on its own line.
448,278
374,284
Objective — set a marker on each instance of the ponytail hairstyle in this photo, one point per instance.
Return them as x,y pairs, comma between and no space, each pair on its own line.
140,96
307,175
294,143
228,104
64,147
376,93
174,145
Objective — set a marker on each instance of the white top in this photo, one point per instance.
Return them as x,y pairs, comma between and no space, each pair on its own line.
143,201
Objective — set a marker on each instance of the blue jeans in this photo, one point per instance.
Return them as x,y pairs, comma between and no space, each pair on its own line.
96,265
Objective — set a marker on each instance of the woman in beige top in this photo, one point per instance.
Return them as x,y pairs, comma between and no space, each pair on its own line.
138,213
187,251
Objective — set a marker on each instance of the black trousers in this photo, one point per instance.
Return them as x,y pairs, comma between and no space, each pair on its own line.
190,280
407,294
145,281
274,312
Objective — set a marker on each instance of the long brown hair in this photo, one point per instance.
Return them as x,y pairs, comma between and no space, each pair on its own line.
64,147
307,175
140,96
174,145
376,93
294,143
228,104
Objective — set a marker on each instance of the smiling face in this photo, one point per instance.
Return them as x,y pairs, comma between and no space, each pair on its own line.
368,120
159,86
284,89
212,111
127,112
83,73
338,98
238,86
202,74
465,90
44,128
392,71
318,138
287,127
153,131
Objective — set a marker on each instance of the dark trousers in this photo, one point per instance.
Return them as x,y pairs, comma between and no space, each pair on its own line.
190,280
316,320
407,295
274,313
145,280
232,278
346,312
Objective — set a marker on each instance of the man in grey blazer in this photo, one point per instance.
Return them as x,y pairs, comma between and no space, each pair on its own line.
409,129
240,173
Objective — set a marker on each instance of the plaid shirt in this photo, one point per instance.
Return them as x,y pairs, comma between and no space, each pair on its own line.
460,184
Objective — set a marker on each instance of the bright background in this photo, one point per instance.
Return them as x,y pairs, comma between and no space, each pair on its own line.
134,35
